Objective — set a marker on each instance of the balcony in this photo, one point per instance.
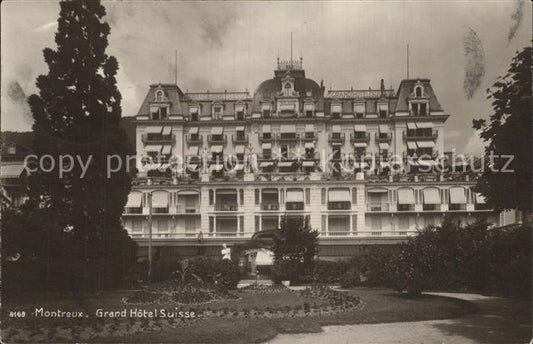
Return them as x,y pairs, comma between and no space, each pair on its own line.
239,139
188,209
269,206
339,205
217,139
294,206
133,210
420,136
226,207
377,207
194,139
359,137
309,137
158,138
292,137
265,139
336,138
383,137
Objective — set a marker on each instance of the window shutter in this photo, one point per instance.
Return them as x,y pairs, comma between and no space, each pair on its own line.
308,196
211,197
257,196
354,195
354,223
323,196
257,220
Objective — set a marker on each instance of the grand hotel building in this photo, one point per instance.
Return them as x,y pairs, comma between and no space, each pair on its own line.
252,158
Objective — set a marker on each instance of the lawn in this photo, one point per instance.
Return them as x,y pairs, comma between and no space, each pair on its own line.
226,321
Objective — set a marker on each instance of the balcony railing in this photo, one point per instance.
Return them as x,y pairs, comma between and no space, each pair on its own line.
377,207
294,206
308,137
363,137
269,206
263,139
336,137
414,136
339,205
288,137
188,209
226,206
155,138
217,139
133,210
383,137
239,139
194,140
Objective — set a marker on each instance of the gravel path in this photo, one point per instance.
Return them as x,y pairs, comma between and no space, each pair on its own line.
499,320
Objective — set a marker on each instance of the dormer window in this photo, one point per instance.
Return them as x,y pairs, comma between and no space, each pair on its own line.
159,95
359,110
193,112
239,112
308,93
336,110
266,111
158,112
383,110
309,110
217,112
418,91
419,109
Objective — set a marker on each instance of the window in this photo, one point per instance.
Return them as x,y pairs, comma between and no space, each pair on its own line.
404,222
162,225
159,95
266,113
418,91
323,196
354,223
307,196
241,224
137,225
375,222
241,196
217,112
256,196
284,152
308,113
257,221
211,197
336,111
359,110
419,109
324,223
383,110
336,151
211,224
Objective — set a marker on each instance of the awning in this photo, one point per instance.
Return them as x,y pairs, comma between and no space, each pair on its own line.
309,107
266,128
406,196
336,108
192,167
266,164
11,171
216,149
384,145
411,125
457,196
424,125
480,199
166,131
309,128
295,196
154,109
431,196
188,192
288,128
270,191
287,107
239,167
159,199
216,167
134,200
425,144
336,128
193,109
411,145
154,130
239,149
193,150
359,144
309,145
341,195
239,108
166,149
193,130
153,148
383,128
266,145
359,127
377,190
308,164
265,107
217,130
240,128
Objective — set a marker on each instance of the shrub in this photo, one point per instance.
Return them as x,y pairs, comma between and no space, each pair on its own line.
329,272
223,273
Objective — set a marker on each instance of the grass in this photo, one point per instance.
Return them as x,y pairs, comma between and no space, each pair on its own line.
380,306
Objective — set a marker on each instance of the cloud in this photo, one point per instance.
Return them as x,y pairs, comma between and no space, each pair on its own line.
475,145
46,27
516,19
475,63
215,27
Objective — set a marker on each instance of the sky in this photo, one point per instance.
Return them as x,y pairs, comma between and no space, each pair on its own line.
234,45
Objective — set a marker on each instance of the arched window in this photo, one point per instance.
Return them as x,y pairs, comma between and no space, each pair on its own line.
418,91
159,95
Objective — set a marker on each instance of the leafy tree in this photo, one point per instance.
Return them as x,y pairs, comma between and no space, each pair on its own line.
294,247
77,113
508,132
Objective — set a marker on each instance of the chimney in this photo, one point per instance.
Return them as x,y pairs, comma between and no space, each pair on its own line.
382,86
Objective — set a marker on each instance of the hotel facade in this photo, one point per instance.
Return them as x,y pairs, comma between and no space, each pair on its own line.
364,167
